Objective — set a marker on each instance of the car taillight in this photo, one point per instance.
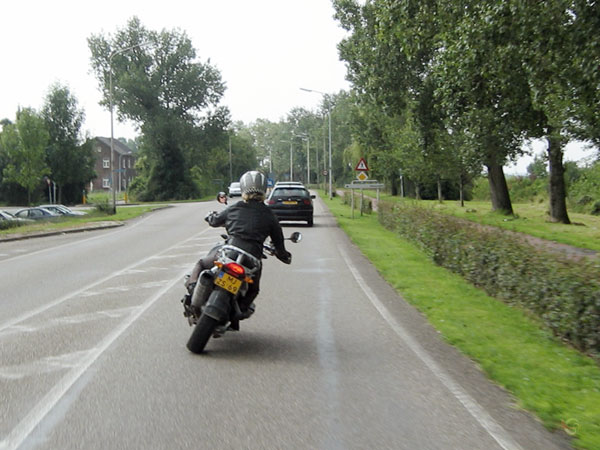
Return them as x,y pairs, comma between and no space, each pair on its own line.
271,202
234,269
306,201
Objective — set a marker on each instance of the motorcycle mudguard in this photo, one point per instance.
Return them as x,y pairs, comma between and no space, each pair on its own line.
218,305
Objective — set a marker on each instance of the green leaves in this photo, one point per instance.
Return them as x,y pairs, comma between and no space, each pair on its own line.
25,144
158,82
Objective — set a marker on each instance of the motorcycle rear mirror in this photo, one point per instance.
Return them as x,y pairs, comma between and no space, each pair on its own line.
222,197
296,236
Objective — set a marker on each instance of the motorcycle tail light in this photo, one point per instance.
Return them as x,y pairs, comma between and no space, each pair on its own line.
235,270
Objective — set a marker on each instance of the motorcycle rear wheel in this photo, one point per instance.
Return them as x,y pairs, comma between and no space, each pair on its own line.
201,334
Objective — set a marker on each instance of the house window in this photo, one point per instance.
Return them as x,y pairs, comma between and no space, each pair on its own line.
124,164
105,163
105,183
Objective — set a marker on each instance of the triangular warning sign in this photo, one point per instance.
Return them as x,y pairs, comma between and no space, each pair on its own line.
362,165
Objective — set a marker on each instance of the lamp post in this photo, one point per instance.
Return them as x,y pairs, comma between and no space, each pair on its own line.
110,100
329,116
230,161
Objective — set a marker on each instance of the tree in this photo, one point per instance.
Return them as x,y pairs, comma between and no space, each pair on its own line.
159,84
71,162
25,144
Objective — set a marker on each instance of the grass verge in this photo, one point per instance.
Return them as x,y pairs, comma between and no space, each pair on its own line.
123,214
557,383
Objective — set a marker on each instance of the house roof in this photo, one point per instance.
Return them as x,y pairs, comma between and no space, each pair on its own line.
119,146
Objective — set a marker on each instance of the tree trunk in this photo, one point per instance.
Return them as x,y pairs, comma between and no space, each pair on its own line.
394,184
439,190
499,189
558,191
417,192
461,189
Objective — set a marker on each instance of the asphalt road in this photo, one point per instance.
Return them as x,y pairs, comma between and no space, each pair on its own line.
93,356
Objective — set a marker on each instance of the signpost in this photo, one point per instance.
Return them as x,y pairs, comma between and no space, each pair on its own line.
362,183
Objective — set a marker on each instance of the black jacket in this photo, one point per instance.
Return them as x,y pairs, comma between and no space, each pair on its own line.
249,224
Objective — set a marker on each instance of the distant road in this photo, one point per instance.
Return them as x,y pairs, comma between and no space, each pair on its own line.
92,352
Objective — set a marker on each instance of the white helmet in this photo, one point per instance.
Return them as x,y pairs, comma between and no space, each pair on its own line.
253,182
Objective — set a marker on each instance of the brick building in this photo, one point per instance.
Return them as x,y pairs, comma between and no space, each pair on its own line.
124,165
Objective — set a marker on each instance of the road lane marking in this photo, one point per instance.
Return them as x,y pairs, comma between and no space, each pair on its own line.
52,249
329,362
44,365
24,428
493,428
67,320
47,306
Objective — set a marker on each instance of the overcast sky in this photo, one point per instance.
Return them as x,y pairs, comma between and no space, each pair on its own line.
265,50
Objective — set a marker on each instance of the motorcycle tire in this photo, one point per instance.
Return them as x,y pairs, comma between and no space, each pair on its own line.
201,334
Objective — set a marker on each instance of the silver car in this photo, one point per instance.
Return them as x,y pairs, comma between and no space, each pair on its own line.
36,213
234,189
62,210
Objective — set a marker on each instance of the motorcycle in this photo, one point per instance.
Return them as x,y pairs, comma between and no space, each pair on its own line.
212,307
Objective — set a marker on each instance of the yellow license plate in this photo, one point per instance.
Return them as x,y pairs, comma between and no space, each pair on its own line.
288,202
227,282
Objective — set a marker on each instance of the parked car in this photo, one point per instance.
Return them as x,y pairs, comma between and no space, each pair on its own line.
234,189
62,210
291,202
5,216
36,213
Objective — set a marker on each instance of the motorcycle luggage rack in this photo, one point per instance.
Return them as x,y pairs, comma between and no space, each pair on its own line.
238,255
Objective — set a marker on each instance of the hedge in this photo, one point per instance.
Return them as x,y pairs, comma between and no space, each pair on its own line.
563,292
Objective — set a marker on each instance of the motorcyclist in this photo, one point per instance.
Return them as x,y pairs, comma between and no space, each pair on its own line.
248,223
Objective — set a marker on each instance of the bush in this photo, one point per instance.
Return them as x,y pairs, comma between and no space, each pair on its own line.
104,206
6,224
563,293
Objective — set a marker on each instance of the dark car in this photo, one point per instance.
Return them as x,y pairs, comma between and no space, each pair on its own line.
36,214
291,203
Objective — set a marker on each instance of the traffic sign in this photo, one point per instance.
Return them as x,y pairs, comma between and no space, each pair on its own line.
362,176
362,165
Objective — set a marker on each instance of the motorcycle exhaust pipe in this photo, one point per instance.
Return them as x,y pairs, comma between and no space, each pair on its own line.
203,289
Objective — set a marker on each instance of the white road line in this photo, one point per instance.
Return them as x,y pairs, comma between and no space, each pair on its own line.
493,428
47,306
44,365
68,320
52,249
24,428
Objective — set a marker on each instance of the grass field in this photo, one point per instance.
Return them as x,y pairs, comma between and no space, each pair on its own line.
558,384
529,218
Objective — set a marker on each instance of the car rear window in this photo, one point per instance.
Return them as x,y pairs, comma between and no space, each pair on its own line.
290,192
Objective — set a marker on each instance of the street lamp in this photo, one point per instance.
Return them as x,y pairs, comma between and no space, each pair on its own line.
110,100
329,116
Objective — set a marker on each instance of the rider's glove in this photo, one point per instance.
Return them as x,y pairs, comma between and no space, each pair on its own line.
209,215
285,257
